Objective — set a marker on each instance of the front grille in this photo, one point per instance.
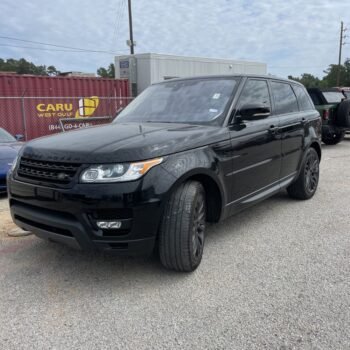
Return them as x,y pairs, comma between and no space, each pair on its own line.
47,171
114,233
112,214
42,226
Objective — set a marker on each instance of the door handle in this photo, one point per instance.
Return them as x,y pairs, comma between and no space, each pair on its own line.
273,129
303,121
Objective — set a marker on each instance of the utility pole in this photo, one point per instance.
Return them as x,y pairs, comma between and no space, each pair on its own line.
130,29
342,36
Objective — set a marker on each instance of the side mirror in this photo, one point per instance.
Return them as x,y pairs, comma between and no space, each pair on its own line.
19,137
254,111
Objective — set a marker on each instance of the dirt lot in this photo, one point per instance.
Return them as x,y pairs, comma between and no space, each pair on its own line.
276,276
6,223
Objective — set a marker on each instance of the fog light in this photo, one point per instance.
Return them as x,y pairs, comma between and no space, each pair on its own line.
109,225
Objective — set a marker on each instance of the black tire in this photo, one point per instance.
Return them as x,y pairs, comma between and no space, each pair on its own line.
182,231
343,114
306,184
332,138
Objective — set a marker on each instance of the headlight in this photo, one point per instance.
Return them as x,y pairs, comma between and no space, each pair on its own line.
118,172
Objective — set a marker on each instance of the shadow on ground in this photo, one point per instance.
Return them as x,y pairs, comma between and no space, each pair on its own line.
64,265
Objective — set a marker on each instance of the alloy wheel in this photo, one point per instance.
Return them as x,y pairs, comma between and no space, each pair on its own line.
198,228
312,171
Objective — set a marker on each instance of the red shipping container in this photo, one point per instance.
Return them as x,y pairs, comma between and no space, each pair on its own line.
33,105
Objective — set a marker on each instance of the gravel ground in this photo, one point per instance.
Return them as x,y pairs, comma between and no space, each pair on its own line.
6,223
274,277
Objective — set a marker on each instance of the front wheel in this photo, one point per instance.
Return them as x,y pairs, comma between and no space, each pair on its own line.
181,236
306,184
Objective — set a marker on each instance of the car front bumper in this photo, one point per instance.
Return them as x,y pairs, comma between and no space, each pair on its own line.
70,216
4,169
3,187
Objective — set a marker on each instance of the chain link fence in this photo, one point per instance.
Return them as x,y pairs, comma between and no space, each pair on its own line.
33,117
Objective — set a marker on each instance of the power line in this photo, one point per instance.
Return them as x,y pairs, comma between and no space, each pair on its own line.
119,16
296,66
38,48
59,50
55,45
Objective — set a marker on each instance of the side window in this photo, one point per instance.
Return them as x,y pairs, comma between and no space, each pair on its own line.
255,91
304,101
315,98
284,97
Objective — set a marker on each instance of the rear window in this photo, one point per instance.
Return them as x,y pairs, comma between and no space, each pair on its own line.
303,99
284,97
333,96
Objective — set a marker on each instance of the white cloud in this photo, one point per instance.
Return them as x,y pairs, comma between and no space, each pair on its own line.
292,37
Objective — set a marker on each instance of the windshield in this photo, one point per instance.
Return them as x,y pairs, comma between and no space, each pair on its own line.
333,96
6,137
194,101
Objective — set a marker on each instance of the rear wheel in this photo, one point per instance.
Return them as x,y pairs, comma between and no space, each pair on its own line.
332,138
181,236
306,184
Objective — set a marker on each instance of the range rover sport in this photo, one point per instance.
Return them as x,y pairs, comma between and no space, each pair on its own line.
183,153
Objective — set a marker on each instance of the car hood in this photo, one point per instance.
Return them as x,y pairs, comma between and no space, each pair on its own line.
122,142
9,150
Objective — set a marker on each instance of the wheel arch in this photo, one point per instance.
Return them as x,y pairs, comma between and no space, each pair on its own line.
215,196
316,146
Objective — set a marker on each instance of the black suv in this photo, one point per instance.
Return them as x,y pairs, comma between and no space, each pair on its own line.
183,153
334,107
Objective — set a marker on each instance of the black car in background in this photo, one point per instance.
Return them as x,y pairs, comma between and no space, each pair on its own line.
183,153
334,107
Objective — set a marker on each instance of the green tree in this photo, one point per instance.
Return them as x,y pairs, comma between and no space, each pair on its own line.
308,80
52,71
22,66
332,74
106,73
102,72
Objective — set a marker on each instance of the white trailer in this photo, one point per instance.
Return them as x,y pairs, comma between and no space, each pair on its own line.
145,69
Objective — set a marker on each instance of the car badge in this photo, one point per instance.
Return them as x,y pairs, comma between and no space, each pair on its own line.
61,176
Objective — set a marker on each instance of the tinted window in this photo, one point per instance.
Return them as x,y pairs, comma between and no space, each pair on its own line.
315,98
285,100
197,101
255,91
303,98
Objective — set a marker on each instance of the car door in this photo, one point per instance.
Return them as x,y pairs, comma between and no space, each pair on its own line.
291,128
256,146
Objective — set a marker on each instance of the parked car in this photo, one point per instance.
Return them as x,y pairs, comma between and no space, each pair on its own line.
334,107
183,153
9,147
345,90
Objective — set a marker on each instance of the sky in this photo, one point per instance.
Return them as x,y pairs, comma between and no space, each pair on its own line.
292,37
